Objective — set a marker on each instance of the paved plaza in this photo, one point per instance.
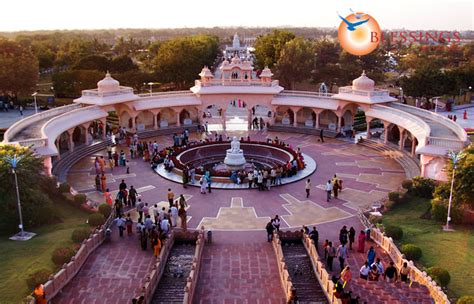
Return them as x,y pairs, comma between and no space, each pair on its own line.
367,177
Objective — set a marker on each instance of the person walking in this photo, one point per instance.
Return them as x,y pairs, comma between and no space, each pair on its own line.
331,254
308,187
342,255
346,277
182,201
335,188
270,230
404,272
120,221
343,235
390,273
132,195
108,197
129,225
183,217
140,206
314,235
328,190
371,255
174,216
97,183
276,223
170,197
351,237
203,182
103,182
321,135
361,242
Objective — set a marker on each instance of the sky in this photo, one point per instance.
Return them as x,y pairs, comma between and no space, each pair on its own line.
108,14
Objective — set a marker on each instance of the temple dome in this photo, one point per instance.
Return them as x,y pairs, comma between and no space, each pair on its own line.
236,60
363,83
108,84
266,72
205,72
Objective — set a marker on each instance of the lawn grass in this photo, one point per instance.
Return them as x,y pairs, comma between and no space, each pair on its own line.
19,259
453,251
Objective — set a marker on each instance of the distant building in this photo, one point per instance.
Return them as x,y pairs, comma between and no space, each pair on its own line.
236,49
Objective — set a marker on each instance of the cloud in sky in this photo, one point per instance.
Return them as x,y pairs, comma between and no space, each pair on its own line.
108,14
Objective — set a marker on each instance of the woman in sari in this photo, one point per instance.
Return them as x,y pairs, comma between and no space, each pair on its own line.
361,239
156,247
108,197
103,182
182,215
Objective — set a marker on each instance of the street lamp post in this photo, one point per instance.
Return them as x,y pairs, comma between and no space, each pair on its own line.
34,96
454,157
22,235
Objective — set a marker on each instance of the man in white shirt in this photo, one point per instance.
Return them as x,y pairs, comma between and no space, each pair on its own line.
308,187
328,190
342,255
165,226
378,264
364,271
174,215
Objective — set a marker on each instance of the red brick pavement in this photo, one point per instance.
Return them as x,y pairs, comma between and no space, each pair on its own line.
239,268
113,273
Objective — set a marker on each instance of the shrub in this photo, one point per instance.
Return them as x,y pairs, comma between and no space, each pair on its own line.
96,219
407,184
442,191
394,196
423,187
440,275
38,277
80,199
466,300
388,205
439,211
395,232
374,219
62,255
80,234
64,188
412,252
105,210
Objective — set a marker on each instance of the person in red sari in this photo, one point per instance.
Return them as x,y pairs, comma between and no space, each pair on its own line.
103,182
361,242
108,197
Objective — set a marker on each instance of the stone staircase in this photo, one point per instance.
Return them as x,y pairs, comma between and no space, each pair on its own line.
68,159
302,130
302,275
171,286
409,165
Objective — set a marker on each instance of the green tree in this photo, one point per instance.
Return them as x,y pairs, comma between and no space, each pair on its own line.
36,197
93,62
121,64
296,61
18,68
463,192
269,46
71,83
327,61
179,60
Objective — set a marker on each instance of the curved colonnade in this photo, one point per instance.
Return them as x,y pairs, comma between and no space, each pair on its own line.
417,131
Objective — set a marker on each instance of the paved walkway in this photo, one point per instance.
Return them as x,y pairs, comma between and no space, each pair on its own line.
239,267
113,273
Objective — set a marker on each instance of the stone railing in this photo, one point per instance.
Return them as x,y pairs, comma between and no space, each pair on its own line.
151,281
33,142
349,90
282,268
236,82
416,275
96,93
25,122
304,94
450,143
192,279
319,269
166,94
451,125
69,270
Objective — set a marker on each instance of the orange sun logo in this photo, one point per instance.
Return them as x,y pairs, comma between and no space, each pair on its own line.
358,33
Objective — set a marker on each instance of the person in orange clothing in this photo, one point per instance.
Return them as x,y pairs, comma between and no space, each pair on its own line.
39,294
108,197
102,164
103,182
157,247
346,276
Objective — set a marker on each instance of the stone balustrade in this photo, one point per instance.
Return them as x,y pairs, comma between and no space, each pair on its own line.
236,82
450,143
194,275
22,124
167,94
282,268
304,94
416,275
349,90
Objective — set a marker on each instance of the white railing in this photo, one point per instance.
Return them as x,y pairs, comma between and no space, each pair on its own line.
305,94
349,90
166,94
191,281
96,93
285,278
25,122
34,142
452,144
453,126
234,82
416,274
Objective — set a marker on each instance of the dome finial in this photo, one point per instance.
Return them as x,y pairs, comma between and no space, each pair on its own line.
363,73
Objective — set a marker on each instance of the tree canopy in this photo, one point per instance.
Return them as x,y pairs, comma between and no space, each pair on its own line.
18,68
296,61
269,46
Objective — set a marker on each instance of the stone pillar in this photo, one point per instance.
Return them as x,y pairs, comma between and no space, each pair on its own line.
134,123
317,120
413,146
48,165
385,131
368,120
402,138
295,116
339,124
70,141
104,128
178,122
155,121
249,118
